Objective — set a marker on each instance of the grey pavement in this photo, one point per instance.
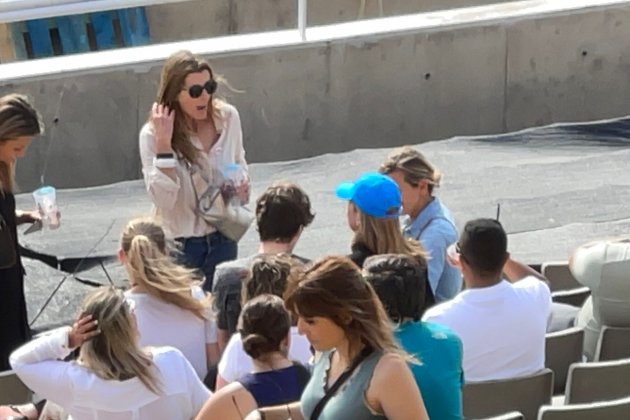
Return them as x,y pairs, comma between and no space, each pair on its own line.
558,186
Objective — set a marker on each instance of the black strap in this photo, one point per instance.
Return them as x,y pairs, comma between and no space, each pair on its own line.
330,392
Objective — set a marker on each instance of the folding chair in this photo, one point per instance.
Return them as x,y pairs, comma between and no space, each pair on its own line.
609,410
613,344
562,348
525,394
559,275
12,390
598,381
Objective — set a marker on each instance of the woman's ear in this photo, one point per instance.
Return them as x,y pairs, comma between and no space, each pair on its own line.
286,343
352,216
346,319
121,256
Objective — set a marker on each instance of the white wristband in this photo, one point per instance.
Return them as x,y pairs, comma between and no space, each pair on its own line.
164,163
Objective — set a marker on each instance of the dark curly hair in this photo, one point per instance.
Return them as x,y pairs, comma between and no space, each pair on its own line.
400,283
281,211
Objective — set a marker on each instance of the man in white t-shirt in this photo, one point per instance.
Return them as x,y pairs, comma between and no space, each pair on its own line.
502,315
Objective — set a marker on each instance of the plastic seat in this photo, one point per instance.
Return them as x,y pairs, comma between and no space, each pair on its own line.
492,398
609,410
13,390
598,381
613,344
562,348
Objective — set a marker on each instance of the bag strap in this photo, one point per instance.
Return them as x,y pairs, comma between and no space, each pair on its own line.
343,378
196,193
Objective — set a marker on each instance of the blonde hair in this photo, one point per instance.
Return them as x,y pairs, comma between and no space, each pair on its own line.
18,118
333,288
144,245
176,68
383,236
114,353
414,165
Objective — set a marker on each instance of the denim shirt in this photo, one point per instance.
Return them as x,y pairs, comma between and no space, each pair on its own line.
435,229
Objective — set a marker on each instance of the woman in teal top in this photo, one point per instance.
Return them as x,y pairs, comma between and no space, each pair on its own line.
399,283
360,366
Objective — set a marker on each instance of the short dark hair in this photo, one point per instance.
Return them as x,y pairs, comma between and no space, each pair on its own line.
483,246
399,281
264,323
281,211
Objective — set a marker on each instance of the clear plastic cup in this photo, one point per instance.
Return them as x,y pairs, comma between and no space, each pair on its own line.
234,176
452,256
46,201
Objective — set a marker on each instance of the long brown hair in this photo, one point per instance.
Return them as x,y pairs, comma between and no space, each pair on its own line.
144,244
114,353
18,118
383,236
333,288
176,68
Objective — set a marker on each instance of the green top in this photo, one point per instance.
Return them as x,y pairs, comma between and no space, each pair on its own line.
349,402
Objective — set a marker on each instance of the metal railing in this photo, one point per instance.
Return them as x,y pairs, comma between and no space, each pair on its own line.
21,10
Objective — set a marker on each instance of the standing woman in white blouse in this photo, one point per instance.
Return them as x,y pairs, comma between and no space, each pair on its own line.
190,138
113,378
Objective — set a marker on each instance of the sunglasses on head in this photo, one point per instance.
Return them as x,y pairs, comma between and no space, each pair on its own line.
195,91
458,249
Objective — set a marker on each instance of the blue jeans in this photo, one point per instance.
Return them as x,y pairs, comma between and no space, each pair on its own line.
205,253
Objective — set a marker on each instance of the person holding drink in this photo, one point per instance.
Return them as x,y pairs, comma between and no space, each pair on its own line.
19,123
191,146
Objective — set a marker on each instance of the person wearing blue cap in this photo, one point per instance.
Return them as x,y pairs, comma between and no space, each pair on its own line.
374,206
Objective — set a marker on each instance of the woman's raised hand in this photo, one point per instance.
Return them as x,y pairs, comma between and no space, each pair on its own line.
163,120
82,330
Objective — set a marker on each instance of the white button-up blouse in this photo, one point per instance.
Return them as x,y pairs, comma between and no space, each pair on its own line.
174,200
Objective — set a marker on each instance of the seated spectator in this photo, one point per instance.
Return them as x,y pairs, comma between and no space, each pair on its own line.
269,274
360,367
373,209
428,220
114,378
396,279
264,325
604,267
282,212
501,316
171,309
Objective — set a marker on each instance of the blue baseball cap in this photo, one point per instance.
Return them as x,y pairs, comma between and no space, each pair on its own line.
374,194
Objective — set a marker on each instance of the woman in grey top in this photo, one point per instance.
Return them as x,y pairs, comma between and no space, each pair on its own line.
360,365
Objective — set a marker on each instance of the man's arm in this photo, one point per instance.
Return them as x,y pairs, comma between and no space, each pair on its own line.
515,271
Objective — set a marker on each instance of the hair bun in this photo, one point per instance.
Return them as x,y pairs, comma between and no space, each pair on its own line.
255,345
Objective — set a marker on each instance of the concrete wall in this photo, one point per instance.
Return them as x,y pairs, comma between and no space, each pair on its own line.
376,91
204,18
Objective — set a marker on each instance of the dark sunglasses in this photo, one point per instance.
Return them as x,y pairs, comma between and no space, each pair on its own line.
195,91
